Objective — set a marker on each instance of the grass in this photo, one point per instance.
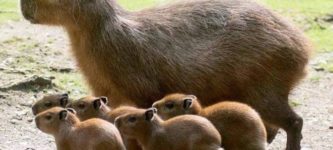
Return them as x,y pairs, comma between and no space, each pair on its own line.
9,10
308,14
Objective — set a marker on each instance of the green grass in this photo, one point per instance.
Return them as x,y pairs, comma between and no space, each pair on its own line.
305,13
302,12
138,4
8,10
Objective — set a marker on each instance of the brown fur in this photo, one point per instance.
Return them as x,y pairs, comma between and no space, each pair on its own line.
71,134
186,132
95,107
215,49
49,101
239,125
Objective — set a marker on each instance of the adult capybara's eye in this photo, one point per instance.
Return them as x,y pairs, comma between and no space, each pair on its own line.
169,105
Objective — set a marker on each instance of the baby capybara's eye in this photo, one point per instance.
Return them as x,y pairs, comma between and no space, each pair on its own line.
48,117
169,105
48,104
132,119
81,106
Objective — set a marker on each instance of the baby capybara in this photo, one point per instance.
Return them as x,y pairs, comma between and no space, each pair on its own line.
72,134
187,132
215,49
240,126
96,107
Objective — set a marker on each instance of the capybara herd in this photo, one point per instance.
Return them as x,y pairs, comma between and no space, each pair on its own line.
235,50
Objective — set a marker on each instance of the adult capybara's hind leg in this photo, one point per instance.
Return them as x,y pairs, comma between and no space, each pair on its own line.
278,113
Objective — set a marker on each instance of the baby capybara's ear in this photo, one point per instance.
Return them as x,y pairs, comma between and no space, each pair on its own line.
149,114
64,100
71,110
188,101
97,104
63,115
104,99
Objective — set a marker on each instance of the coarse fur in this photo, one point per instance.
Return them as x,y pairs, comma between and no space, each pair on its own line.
187,132
215,49
240,126
96,107
49,101
72,134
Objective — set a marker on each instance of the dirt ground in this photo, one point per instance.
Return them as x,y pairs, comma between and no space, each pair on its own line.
35,60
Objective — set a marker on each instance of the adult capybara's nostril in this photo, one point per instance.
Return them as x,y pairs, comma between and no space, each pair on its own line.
28,8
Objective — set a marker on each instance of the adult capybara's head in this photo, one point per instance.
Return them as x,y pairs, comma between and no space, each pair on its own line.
56,12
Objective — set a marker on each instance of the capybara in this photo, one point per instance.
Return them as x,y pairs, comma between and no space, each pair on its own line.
72,134
49,101
96,107
215,49
186,132
239,125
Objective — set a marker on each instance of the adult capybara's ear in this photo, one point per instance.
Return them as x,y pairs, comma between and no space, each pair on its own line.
64,100
149,114
63,115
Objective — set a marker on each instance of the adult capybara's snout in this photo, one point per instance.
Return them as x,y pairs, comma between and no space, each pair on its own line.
28,8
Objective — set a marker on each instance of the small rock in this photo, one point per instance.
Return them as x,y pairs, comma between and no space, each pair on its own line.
62,69
30,120
319,69
34,82
331,127
328,18
13,121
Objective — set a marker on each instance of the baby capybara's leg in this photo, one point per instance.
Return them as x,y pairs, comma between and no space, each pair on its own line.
271,132
278,113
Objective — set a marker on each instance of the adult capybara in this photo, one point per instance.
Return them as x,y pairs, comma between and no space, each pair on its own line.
215,49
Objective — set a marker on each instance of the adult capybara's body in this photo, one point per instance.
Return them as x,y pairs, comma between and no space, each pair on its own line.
215,49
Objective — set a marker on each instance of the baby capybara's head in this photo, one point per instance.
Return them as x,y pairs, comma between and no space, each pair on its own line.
177,104
90,107
136,122
51,120
58,12
49,101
